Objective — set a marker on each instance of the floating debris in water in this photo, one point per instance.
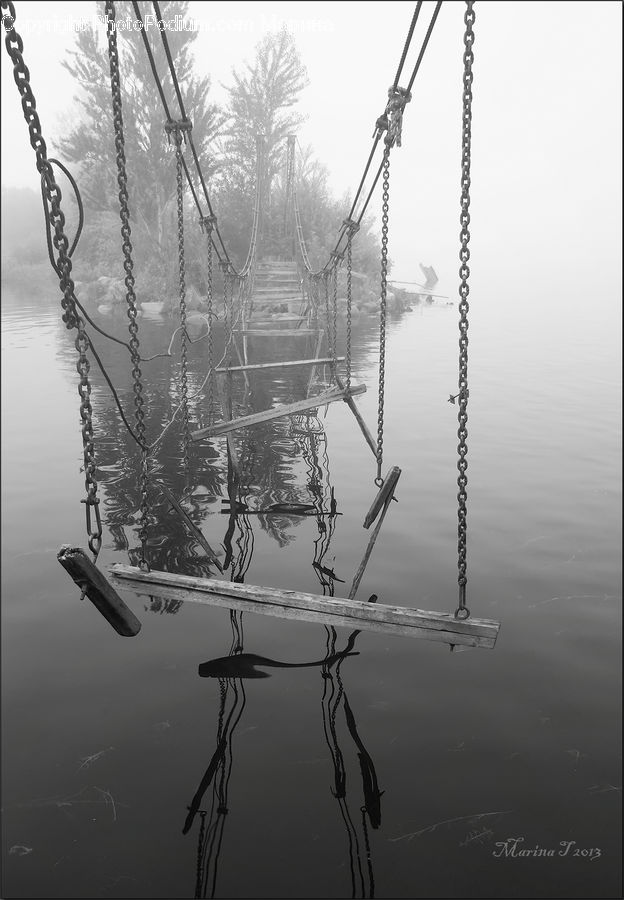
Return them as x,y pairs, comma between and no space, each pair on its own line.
86,761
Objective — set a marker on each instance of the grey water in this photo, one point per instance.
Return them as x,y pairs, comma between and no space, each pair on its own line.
404,771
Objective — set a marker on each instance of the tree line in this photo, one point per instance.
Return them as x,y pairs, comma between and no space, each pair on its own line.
263,98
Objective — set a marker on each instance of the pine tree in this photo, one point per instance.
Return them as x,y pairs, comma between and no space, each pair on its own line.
261,101
150,160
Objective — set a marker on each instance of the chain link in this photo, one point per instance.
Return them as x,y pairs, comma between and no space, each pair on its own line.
126,234
177,129
227,321
464,254
335,316
348,353
21,74
327,313
352,228
382,311
207,226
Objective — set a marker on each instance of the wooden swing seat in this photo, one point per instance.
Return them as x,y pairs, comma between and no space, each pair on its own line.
378,617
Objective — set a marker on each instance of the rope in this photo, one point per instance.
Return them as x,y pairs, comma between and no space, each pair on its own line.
462,611
126,234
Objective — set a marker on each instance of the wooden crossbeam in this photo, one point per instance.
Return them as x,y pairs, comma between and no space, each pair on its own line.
378,617
285,410
276,320
274,332
280,365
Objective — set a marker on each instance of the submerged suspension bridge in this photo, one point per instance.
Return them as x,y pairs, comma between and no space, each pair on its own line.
274,294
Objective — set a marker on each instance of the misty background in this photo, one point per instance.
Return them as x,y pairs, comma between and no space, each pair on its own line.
546,166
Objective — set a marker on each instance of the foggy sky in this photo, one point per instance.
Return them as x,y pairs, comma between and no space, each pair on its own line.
546,175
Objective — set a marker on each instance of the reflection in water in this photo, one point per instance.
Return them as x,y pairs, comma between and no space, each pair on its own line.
333,695
218,774
244,665
231,670
272,500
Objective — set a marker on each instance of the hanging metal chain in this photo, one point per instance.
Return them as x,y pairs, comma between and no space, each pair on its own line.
126,234
337,257
352,228
52,192
207,223
327,313
382,311
348,353
227,321
462,612
335,315
177,129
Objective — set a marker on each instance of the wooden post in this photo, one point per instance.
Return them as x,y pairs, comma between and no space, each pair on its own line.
226,409
386,490
98,590
358,575
241,360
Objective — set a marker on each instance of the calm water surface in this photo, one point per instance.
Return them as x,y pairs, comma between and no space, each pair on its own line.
110,784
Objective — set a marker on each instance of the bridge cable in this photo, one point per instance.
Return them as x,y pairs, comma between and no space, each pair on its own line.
163,98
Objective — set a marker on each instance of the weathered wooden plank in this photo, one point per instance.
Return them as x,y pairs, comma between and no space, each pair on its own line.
277,319
285,410
369,549
309,607
190,524
386,490
281,365
84,573
275,332
358,418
